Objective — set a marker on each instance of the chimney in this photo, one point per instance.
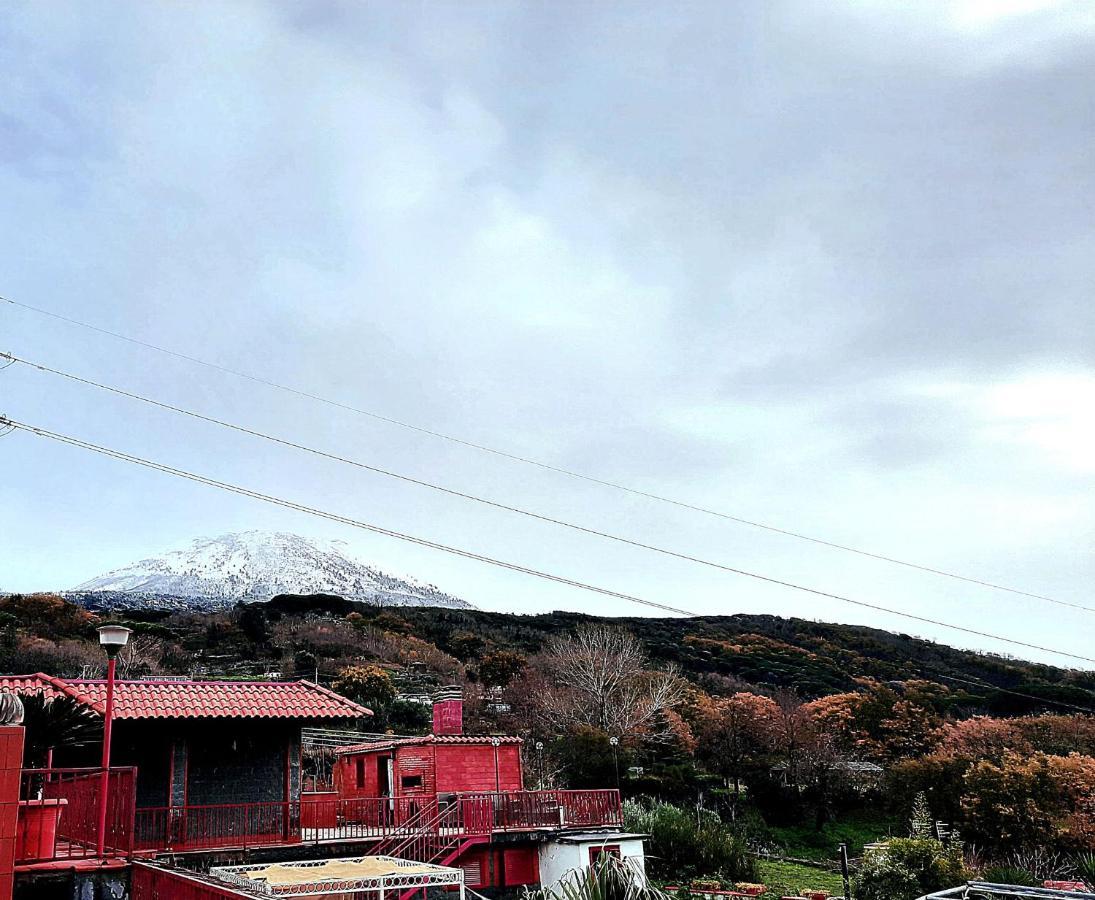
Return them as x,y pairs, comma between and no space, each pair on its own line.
448,710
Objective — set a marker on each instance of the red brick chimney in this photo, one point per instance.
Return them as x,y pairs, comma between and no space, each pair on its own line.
448,710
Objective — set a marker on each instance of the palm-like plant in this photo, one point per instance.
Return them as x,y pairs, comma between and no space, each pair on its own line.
56,723
609,879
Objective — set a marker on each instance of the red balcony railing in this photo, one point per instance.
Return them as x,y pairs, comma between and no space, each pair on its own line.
59,813
388,821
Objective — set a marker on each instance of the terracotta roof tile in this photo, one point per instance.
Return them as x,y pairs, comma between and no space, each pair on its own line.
197,699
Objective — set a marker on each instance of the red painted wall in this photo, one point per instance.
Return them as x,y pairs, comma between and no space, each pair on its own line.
470,767
11,763
500,867
345,775
424,769
448,717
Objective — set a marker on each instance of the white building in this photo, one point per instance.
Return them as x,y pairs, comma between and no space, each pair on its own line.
567,855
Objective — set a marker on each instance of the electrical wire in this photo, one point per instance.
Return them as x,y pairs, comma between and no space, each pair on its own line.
525,460
469,554
334,517
986,684
390,474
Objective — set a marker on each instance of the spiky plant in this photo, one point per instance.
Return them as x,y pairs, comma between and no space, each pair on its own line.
1085,868
609,879
56,723
1009,875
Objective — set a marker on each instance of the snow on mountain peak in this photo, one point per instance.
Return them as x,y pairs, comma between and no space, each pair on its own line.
258,565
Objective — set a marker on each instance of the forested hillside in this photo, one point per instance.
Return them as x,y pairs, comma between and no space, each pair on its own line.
788,732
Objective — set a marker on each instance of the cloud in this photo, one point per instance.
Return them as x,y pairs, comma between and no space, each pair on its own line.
822,265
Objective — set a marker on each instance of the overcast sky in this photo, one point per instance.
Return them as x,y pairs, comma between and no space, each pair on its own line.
824,265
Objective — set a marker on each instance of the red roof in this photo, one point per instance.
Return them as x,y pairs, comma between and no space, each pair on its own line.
196,699
388,743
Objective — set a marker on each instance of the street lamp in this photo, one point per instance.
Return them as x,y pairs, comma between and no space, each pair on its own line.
615,742
540,761
112,638
497,781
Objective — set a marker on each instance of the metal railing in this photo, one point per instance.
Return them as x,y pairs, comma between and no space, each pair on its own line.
59,813
214,827
390,821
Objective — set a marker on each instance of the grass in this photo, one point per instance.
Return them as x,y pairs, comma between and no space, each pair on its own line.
805,842
786,879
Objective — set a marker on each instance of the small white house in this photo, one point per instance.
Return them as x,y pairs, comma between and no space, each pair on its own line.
568,854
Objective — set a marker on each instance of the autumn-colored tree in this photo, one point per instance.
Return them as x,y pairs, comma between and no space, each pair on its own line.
365,684
982,737
48,616
499,668
1011,804
836,715
733,730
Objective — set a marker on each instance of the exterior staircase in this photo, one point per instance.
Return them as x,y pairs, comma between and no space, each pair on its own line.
440,833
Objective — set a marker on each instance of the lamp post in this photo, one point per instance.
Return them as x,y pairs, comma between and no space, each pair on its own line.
497,780
112,638
540,761
615,742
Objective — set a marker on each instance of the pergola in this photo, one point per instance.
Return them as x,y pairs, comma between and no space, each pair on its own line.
350,876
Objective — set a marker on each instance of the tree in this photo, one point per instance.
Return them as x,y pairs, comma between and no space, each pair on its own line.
369,685
598,677
499,668
253,623
730,731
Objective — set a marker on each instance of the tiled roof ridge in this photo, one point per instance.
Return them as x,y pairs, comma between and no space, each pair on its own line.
364,710
149,699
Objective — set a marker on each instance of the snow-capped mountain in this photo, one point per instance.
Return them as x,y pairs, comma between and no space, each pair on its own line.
258,565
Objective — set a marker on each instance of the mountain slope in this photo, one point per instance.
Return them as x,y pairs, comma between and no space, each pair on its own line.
257,565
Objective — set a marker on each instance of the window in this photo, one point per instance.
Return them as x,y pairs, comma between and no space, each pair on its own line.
361,772
410,782
602,850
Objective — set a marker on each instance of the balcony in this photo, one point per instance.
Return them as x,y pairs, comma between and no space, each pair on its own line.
59,814
59,818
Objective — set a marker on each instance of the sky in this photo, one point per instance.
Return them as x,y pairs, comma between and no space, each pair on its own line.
823,266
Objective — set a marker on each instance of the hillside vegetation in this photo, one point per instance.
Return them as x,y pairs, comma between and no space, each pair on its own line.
795,735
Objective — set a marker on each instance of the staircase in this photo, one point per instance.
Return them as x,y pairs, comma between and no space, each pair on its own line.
440,834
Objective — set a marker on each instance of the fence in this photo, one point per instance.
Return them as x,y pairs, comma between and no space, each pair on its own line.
240,825
59,813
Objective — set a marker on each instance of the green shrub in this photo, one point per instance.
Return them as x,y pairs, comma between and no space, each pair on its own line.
909,868
687,843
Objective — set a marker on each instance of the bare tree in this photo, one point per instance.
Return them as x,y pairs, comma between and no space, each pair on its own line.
599,676
141,656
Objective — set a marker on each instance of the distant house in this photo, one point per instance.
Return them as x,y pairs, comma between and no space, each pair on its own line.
859,775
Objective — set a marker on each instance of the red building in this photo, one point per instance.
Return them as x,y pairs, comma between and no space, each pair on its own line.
456,778
209,772
425,766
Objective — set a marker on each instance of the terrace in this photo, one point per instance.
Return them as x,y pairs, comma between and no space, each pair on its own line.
58,819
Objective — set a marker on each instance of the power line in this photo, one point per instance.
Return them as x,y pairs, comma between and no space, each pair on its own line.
468,554
525,460
986,684
334,517
396,475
